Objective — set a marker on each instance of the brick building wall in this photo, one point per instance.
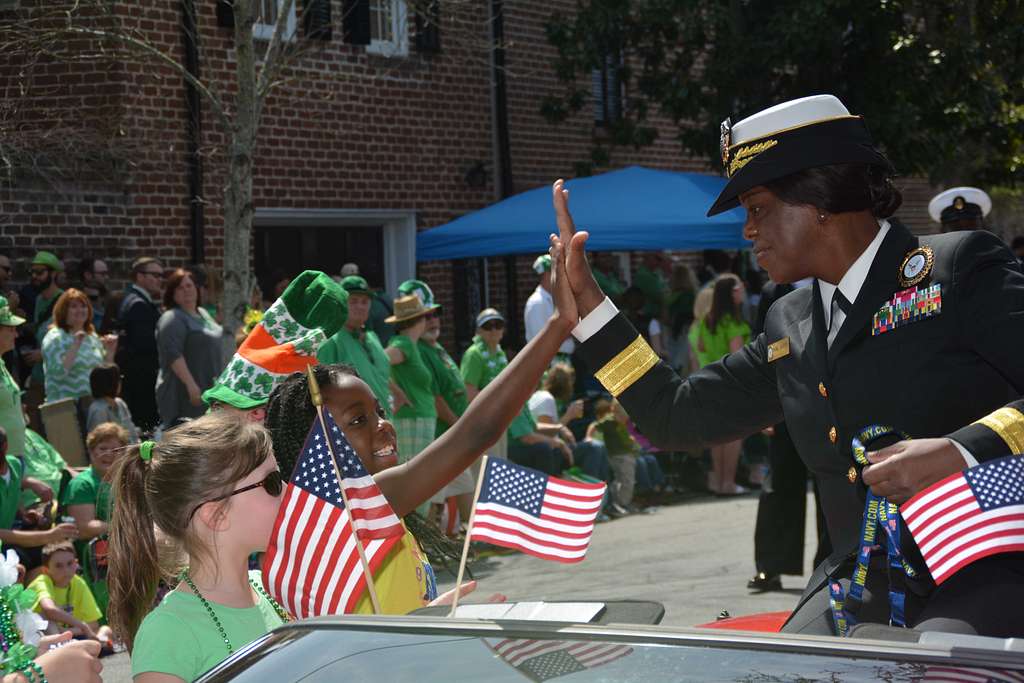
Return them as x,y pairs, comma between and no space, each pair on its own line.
349,130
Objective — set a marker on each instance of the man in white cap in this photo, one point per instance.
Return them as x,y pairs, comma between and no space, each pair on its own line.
540,306
918,333
960,208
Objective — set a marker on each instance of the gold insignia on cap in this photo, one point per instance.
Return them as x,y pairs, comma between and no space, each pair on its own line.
916,266
959,203
779,349
746,153
627,367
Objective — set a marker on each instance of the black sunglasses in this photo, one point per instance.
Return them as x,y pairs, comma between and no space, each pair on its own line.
273,483
493,326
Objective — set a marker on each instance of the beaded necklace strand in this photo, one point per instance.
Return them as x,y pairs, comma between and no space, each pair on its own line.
213,615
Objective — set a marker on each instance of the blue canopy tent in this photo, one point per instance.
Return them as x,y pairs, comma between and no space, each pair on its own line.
632,209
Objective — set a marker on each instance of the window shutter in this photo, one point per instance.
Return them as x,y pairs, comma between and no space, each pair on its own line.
606,89
428,27
225,14
355,23
316,19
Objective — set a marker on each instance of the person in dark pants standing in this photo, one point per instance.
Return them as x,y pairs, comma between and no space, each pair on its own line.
137,354
782,508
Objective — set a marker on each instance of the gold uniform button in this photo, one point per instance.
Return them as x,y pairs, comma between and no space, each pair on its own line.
851,474
832,434
822,390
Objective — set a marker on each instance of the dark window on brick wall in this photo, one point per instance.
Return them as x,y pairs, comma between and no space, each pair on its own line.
607,92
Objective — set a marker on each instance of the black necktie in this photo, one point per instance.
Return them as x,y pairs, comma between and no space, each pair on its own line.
844,305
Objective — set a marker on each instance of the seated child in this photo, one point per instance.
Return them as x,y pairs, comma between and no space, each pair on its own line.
105,382
63,597
629,463
610,427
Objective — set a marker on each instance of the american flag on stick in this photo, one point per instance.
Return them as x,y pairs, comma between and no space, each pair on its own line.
542,660
968,516
542,515
516,507
315,563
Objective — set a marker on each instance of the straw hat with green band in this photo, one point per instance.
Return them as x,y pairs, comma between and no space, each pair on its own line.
312,309
421,290
7,317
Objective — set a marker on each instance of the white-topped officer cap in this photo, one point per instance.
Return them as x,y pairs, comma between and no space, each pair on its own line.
959,202
788,138
788,115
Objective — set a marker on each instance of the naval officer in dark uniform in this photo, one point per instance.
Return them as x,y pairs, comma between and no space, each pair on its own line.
845,353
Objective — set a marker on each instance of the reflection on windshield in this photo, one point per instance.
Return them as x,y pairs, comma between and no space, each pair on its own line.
542,660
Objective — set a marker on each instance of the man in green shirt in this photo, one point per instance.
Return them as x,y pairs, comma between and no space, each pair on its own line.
361,348
451,400
12,482
44,270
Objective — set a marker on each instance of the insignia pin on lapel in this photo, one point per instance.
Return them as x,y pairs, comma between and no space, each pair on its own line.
916,266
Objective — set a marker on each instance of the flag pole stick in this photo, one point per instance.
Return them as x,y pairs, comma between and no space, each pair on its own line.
469,532
314,392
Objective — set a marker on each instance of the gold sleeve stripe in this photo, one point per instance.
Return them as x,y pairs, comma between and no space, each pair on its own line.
627,367
1008,423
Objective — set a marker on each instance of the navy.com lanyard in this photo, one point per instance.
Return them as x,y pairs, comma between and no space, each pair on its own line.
879,515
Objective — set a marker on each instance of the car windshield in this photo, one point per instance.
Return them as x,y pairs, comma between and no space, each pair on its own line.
341,654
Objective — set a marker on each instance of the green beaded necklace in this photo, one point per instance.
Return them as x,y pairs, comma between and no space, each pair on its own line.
213,615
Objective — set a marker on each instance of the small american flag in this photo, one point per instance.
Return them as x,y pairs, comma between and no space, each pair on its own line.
968,516
541,515
312,565
542,660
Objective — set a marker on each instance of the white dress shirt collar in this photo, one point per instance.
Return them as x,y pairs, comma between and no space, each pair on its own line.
852,282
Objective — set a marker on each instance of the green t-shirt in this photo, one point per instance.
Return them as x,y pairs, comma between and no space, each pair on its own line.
42,462
179,637
75,598
10,492
447,379
42,316
12,419
522,424
88,488
367,356
716,344
480,365
414,378
615,436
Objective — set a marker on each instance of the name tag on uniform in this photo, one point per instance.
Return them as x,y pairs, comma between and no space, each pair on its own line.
906,307
779,349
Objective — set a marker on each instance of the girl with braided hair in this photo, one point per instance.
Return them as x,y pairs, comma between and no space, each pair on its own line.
404,580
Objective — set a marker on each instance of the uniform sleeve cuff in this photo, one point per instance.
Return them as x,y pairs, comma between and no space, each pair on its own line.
969,459
595,320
